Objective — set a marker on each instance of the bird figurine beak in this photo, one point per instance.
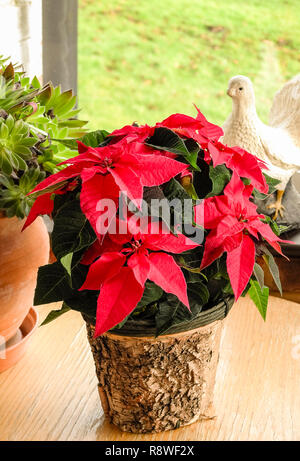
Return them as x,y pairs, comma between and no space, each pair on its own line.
231,92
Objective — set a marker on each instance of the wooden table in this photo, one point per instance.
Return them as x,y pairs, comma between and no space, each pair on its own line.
52,393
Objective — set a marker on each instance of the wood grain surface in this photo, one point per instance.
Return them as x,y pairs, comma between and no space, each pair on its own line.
51,394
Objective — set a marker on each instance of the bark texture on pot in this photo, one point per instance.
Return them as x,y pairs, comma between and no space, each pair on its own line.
156,384
21,255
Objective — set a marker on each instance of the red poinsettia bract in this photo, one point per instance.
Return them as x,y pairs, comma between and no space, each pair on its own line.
44,204
237,159
107,171
234,224
199,129
121,275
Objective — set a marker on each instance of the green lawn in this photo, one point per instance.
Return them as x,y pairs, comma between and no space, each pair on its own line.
141,60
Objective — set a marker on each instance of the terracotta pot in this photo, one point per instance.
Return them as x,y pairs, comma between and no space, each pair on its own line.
14,349
149,384
21,255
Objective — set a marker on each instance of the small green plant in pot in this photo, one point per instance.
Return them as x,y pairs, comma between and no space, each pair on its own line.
32,120
155,235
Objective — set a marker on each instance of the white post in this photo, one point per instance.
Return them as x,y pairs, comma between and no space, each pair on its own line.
21,33
60,43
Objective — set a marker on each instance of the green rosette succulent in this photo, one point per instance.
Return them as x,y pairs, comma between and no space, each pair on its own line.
34,119
13,197
16,142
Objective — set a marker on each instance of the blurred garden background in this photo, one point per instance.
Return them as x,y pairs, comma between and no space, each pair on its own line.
141,60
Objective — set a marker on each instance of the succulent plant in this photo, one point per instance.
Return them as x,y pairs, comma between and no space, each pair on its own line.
15,143
33,121
13,196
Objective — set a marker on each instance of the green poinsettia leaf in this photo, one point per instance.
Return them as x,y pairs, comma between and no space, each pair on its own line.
147,305
259,274
193,149
273,268
172,311
53,284
94,138
272,183
169,314
178,199
69,143
259,297
53,315
259,195
151,294
198,294
166,139
220,177
190,189
174,190
66,261
84,302
72,231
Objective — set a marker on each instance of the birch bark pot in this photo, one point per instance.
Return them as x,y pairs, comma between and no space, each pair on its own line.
21,255
149,384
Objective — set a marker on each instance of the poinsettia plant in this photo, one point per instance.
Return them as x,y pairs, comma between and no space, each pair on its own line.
155,222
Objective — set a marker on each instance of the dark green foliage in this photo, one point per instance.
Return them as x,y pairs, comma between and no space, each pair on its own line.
72,234
165,139
173,190
72,231
172,311
220,177
202,181
151,294
54,284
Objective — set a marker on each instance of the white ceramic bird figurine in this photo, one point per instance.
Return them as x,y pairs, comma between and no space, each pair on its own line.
278,144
